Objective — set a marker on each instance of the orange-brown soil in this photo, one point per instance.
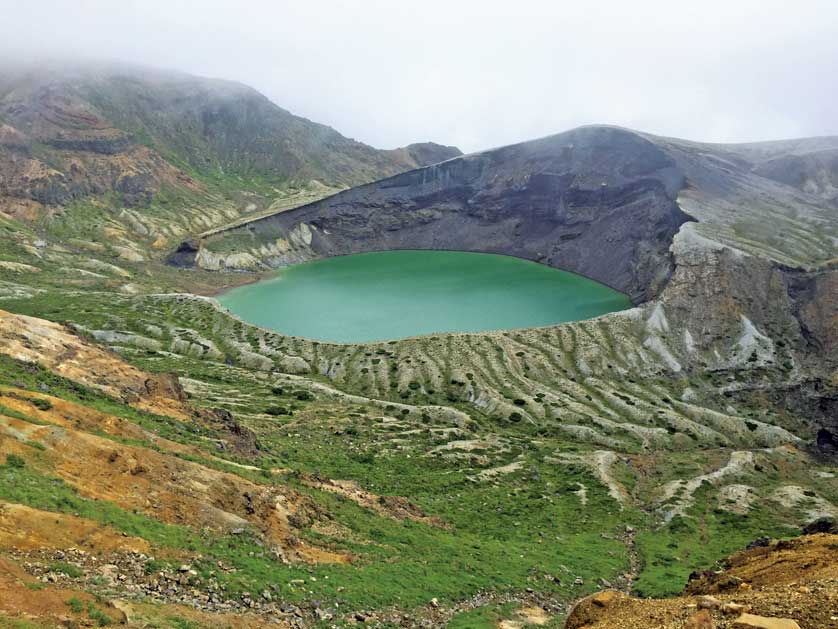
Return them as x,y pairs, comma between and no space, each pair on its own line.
796,580
26,528
22,597
158,483
61,351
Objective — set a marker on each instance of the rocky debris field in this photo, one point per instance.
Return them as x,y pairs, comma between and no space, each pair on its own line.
130,576
785,584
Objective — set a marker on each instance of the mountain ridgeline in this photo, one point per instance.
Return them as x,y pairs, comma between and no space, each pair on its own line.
109,140
716,240
206,127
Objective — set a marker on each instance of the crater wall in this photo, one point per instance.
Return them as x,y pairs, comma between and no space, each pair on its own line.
597,201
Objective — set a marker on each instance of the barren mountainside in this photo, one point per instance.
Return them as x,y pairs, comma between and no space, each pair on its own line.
143,156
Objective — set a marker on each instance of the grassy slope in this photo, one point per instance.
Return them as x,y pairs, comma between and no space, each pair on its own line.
406,564
506,533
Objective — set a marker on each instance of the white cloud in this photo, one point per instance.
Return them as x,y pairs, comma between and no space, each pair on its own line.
480,73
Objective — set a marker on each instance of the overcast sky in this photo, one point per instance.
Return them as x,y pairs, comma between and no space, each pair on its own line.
479,73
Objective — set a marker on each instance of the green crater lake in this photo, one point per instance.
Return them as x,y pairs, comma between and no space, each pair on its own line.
395,294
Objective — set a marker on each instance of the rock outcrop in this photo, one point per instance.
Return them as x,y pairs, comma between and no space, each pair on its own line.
600,201
776,585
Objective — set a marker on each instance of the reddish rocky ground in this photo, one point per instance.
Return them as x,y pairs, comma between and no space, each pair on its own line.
779,585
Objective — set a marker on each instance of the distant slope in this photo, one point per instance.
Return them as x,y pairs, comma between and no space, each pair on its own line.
423,154
808,164
208,126
133,159
601,201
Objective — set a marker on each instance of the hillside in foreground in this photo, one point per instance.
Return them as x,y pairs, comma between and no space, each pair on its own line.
765,586
163,463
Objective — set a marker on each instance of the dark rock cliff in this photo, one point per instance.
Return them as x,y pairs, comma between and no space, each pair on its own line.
598,201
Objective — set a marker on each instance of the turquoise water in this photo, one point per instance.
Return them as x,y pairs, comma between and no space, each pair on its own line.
395,294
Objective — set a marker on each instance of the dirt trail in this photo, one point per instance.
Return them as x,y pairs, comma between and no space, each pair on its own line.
635,564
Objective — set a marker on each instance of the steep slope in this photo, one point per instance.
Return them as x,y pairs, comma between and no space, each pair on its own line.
495,476
510,441
601,201
208,126
784,584
554,200
116,163
809,164
167,520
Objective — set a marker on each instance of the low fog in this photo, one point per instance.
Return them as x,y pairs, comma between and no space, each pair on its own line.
477,74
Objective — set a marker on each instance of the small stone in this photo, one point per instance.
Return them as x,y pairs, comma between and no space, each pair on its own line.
604,599
709,602
593,609
322,614
434,602
734,609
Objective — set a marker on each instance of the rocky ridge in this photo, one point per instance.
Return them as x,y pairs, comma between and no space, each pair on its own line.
733,268
786,584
